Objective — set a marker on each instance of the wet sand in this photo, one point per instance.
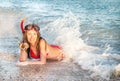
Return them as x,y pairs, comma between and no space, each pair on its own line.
52,71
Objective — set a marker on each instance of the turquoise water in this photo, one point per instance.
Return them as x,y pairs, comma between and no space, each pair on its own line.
71,24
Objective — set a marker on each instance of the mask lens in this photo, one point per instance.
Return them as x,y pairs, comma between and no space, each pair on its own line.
29,27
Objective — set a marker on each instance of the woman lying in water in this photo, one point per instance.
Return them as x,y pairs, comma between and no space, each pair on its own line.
35,47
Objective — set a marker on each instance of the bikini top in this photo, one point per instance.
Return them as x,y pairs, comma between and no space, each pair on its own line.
31,53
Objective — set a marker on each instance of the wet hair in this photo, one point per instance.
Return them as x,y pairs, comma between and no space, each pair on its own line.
24,39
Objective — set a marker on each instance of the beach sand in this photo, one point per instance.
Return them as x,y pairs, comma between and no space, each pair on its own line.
52,71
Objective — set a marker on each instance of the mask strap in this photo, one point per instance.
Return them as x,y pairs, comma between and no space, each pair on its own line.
22,24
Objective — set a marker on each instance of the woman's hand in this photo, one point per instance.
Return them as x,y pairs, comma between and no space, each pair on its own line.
23,46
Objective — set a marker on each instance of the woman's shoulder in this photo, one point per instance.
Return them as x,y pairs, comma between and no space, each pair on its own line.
42,41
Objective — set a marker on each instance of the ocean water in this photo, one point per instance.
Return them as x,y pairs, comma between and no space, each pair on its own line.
88,31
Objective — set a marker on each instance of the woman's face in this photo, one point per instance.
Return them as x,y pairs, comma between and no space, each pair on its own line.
32,36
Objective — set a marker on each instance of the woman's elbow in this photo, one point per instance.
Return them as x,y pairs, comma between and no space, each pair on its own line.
22,60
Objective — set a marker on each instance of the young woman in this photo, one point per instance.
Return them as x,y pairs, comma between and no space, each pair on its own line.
35,47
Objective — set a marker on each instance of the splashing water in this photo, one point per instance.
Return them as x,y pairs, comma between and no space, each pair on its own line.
66,32
7,20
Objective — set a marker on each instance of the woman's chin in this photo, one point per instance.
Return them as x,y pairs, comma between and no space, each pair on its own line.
32,43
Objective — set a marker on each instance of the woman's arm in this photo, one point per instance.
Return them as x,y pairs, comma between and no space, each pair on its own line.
23,52
23,56
43,51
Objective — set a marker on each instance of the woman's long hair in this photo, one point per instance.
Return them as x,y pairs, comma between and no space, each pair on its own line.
24,39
